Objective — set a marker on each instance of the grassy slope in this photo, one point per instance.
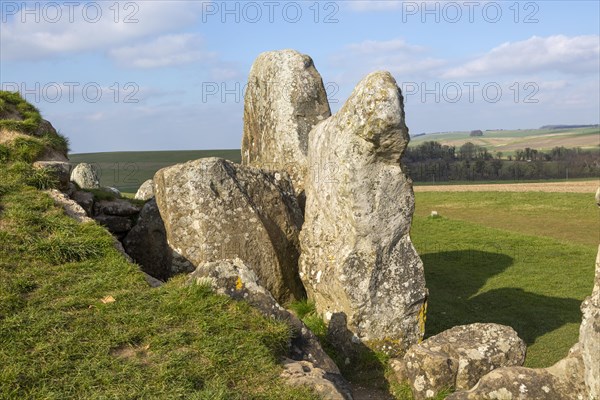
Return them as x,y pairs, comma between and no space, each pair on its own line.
520,275
128,170
79,321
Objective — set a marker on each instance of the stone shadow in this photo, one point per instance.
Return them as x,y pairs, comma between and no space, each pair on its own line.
454,279
357,362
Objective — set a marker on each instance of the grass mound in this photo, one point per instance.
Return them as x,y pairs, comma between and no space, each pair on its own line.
78,321
19,116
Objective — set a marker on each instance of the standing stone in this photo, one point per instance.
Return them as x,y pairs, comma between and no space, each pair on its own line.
214,210
589,336
357,256
85,176
146,191
284,100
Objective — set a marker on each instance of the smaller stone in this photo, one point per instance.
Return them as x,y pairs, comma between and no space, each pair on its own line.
119,207
146,191
459,357
434,214
115,224
598,197
85,176
85,200
71,207
304,373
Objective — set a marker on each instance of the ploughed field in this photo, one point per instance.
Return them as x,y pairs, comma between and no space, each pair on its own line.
508,141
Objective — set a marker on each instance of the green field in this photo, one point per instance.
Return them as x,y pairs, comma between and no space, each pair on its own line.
129,169
507,141
511,258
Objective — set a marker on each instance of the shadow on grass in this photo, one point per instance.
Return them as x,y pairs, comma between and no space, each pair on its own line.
455,277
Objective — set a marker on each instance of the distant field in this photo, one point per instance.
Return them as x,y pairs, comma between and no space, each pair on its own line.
128,170
509,141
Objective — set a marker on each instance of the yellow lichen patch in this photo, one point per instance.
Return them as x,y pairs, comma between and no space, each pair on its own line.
422,317
239,285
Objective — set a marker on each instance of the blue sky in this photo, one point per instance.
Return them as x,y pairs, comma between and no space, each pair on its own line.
167,75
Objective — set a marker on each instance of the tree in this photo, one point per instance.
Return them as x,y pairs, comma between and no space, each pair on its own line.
467,151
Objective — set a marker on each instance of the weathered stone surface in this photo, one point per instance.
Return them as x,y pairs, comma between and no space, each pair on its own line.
85,176
304,373
459,357
147,244
562,381
119,207
85,200
589,336
357,256
71,207
146,191
214,209
284,100
234,279
60,169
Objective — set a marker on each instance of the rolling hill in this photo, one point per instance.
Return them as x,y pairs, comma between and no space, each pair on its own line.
128,170
507,141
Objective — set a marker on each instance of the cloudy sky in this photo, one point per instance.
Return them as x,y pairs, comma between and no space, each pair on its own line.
167,75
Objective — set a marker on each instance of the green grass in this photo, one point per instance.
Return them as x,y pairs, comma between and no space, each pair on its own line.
568,217
480,274
128,170
13,102
64,338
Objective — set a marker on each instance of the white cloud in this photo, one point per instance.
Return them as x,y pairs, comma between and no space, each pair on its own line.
164,51
25,39
396,55
560,53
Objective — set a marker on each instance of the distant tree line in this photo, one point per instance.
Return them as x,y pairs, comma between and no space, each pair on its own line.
434,162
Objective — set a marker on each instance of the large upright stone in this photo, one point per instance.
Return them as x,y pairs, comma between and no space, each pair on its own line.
214,209
589,336
285,98
357,256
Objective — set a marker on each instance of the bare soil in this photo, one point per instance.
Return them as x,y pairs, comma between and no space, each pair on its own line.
552,187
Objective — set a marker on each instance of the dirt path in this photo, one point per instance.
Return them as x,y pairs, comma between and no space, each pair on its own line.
556,187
